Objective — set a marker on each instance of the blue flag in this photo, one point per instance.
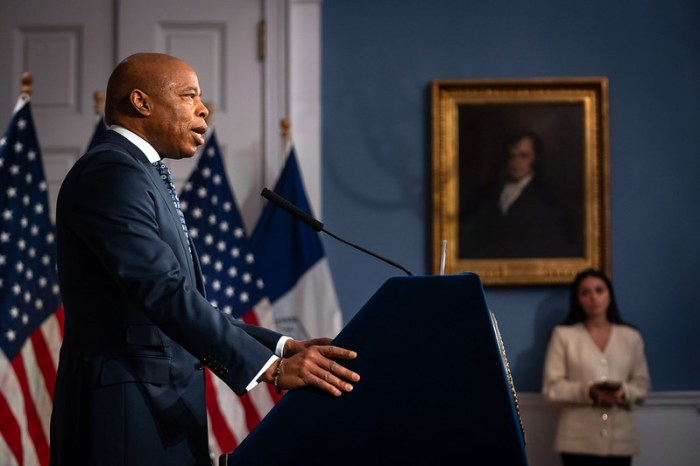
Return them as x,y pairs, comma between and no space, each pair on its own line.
292,261
100,128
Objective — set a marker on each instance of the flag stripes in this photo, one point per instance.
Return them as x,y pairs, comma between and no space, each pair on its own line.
31,314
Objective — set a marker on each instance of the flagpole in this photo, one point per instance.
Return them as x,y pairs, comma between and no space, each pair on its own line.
99,101
26,87
25,91
286,126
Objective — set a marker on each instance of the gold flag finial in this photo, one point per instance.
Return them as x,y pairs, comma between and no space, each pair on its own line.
26,87
99,100
286,128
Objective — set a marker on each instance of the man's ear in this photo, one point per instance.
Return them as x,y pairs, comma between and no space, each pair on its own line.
141,102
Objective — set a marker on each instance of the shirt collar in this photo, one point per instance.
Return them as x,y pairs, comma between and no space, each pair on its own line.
139,142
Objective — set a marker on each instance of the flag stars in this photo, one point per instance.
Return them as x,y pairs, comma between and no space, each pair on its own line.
34,230
245,297
3,260
202,193
31,155
223,226
38,304
21,124
197,212
16,289
238,232
229,292
212,219
218,266
50,238
55,290
235,252
11,192
246,278
18,147
249,258
14,312
42,282
4,237
39,209
209,240
28,178
7,214
46,260
232,272
259,283
26,200
10,335
216,179
216,285
227,206
206,259
21,245
194,232
14,169
221,246
23,222
206,172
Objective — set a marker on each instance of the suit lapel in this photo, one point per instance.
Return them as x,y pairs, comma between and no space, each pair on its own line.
152,172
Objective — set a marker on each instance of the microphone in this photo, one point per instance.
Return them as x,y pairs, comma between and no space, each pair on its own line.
299,214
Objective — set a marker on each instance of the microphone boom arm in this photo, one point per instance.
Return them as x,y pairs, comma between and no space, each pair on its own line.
299,214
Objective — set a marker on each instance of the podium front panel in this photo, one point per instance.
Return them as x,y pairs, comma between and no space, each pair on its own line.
433,390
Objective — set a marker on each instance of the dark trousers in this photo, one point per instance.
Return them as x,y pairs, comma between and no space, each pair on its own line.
592,460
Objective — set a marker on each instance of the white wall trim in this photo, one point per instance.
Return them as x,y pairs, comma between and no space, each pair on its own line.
293,89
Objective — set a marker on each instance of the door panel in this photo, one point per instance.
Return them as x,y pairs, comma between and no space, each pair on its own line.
69,52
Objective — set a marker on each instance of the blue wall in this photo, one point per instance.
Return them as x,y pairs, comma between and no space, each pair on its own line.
379,57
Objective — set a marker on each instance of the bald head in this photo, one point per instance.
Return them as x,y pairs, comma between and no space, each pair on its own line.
149,72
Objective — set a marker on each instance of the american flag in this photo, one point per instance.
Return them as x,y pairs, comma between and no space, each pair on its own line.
31,313
232,284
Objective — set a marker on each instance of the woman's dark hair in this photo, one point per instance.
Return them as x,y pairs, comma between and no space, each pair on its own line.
576,313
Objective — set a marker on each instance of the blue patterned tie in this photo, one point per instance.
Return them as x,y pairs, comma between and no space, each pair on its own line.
167,178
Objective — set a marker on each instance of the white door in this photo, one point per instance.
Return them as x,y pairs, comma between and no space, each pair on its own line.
219,38
69,52
71,47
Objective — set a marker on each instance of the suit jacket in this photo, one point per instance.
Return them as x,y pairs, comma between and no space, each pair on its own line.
130,385
572,364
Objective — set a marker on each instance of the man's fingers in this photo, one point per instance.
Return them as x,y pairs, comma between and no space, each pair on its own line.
337,352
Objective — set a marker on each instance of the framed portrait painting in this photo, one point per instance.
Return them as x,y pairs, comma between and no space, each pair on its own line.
520,178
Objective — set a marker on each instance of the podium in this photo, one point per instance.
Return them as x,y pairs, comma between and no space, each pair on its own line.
435,388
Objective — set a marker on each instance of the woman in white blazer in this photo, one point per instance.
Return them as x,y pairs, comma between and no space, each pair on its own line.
595,370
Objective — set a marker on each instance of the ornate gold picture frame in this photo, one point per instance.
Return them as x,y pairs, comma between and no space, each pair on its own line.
520,178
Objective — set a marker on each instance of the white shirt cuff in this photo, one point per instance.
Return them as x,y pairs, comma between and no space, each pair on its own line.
253,383
279,353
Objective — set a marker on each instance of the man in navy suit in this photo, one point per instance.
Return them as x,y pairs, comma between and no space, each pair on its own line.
138,329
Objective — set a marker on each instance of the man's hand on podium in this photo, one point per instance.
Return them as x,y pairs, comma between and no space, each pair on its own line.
311,363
